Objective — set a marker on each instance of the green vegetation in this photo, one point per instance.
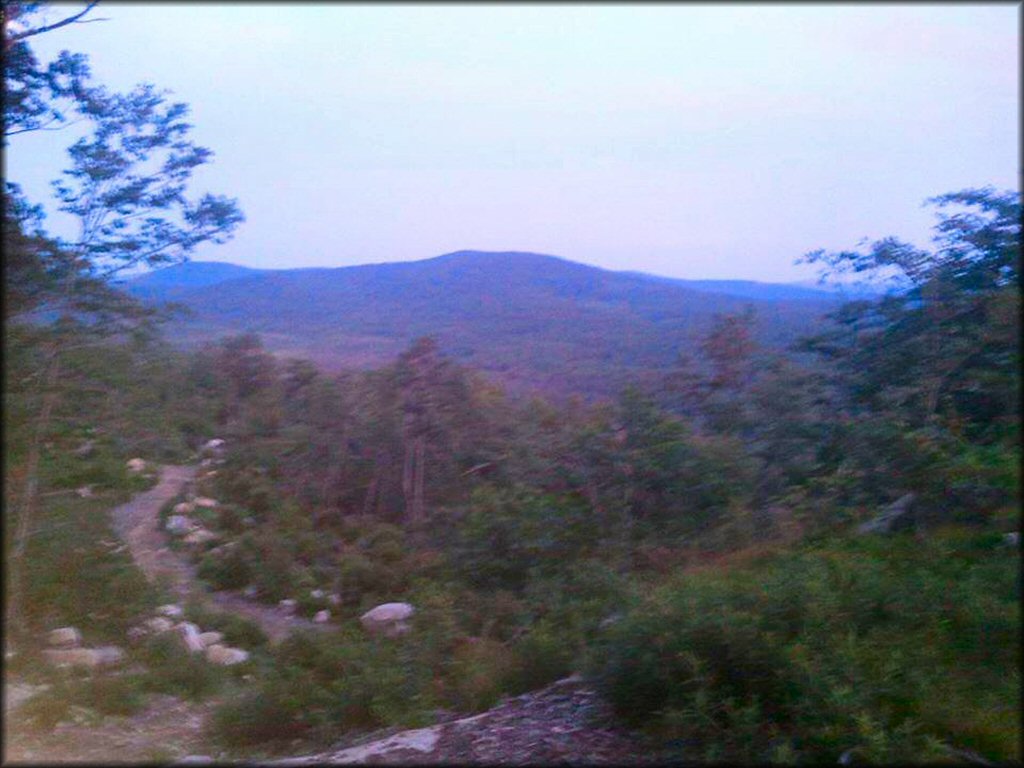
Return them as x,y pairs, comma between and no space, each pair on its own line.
890,648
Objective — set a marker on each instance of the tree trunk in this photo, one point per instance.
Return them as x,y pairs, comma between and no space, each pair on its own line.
419,471
30,492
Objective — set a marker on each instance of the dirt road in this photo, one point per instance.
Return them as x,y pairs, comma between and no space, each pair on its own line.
137,522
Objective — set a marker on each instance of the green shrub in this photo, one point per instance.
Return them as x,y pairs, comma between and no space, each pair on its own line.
480,672
229,569
173,670
884,645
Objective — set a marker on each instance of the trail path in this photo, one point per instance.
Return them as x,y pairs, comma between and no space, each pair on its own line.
138,523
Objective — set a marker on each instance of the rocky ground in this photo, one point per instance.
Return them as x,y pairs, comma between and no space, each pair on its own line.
565,723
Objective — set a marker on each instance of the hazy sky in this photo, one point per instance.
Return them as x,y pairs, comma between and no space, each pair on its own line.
685,140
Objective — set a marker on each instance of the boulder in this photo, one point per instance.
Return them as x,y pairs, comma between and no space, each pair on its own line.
72,657
212,446
184,508
65,637
897,516
204,502
1011,539
135,465
334,598
225,656
159,624
287,605
322,617
316,594
171,611
179,525
135,635
109,655
200,536
388,619
210,638
189,634
85,492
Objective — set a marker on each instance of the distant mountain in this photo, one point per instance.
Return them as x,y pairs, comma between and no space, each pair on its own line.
169,282
529,319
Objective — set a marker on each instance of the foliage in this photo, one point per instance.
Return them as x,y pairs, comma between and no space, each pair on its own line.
849,644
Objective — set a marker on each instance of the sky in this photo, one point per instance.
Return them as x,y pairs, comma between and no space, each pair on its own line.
692,141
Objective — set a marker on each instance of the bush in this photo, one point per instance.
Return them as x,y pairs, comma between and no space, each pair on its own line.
886,646
174,670
326,685
228,570
481,671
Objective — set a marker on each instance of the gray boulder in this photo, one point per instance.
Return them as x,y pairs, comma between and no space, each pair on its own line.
65,637
388,619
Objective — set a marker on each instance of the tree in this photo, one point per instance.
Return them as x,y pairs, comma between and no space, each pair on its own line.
948,346
126,187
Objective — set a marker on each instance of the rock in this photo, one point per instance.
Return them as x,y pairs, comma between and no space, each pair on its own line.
73,657
206,463
316,594
109,655
334,598
1011,539
135,635
388,619
609,621
211,638
250,592
189,634
287,605
322,617
184,508
65,637
159,624
88,448
136,465
247,520
225,656
85,492
170,610
179,525
204,502
896,517
194,760
212,446
200,536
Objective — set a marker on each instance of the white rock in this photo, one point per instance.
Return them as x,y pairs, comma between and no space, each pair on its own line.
211,638
85,492
250,591
212,445
334,598
1011,539
316,594
179,525
171,611
136,465
189,634
388,619
109,655
72,657
184,508
159,624
322,617
200,536
288,605
65,637
225,656
135,634
205,502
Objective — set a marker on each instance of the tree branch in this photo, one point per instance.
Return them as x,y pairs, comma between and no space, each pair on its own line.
50,27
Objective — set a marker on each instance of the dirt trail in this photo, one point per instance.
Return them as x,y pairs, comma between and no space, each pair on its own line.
138,523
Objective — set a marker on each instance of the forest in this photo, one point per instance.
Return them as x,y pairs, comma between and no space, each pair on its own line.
705,546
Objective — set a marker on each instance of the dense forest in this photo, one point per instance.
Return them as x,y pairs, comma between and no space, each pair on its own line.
705,546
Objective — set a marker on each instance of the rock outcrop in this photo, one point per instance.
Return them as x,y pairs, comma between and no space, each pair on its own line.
389,619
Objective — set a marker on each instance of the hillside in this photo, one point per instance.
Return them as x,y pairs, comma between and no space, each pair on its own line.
528,319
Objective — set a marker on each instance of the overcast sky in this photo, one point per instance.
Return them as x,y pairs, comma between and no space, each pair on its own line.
691,141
